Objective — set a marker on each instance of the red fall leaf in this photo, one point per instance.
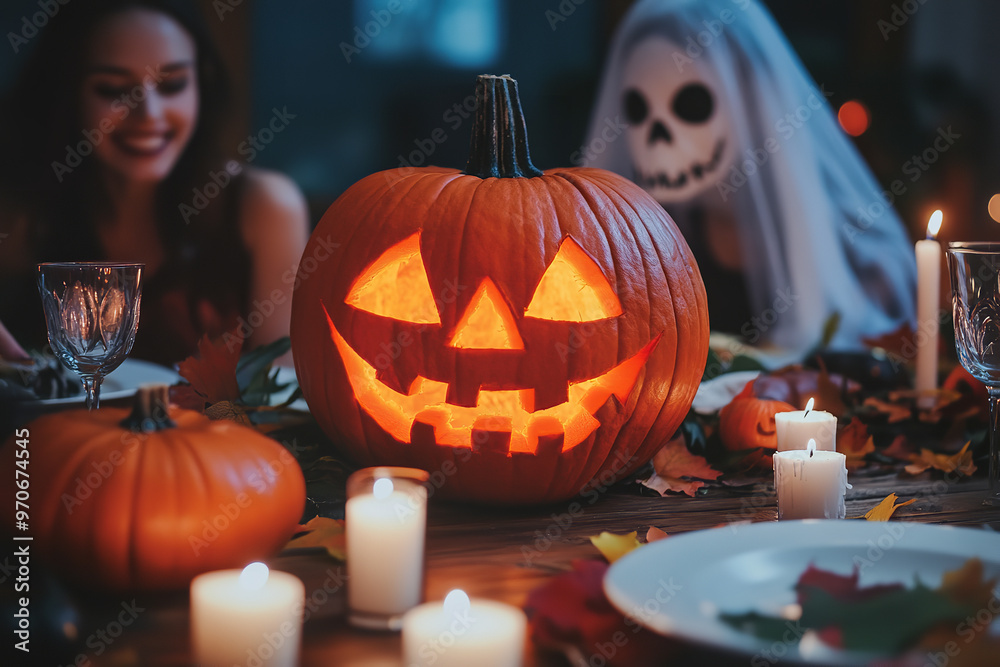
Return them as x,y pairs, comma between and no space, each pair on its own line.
854,442
677,469
572,610
841,587
212,373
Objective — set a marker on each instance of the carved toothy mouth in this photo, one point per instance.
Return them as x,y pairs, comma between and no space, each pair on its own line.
696,171
502,421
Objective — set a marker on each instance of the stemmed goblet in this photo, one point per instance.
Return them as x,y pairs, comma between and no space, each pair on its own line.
92,314
975,298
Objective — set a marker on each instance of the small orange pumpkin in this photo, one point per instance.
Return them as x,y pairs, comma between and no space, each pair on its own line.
148,500
748,422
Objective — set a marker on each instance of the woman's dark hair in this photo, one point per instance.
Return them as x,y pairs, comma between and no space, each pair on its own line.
40,119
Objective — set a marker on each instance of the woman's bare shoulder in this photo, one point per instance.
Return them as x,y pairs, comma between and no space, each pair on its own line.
271,199
274,217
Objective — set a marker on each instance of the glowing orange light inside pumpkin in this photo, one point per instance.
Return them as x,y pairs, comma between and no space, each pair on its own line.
505,414
854,117
396,286
487,323
573,289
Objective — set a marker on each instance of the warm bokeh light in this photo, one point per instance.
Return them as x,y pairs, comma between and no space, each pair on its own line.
457,603
382,488
854,117
253,577
994,207
934,224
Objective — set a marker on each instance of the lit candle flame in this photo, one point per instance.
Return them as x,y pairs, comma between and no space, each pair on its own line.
934,224
253,577
456,603
811,447
809,407
382,488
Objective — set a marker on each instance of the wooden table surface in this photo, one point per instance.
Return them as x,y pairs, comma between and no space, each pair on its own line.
503,555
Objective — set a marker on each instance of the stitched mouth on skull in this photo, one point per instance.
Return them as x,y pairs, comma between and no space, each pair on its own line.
696,171
504,420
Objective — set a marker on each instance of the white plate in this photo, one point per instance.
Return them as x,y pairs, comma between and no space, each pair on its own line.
678,586
123,381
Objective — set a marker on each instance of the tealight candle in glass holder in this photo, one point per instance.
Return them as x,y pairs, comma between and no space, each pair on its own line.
385,524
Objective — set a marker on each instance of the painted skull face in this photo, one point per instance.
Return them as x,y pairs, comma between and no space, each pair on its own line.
680,132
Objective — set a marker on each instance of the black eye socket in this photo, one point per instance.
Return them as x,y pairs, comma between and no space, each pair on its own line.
636,108
693,103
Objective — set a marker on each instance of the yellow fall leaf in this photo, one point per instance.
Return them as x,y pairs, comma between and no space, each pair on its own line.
322,532
960,463
613,547
885,509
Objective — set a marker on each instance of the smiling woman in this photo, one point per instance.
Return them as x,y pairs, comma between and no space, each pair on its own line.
111,153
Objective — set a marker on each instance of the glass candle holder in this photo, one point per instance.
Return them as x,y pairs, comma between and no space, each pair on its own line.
386,527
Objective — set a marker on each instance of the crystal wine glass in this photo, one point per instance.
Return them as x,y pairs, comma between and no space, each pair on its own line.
92,314
975,298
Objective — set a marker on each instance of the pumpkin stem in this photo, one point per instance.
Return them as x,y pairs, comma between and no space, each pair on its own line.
151,410
499,138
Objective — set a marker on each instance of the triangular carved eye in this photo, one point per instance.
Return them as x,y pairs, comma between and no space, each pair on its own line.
573,289
395,285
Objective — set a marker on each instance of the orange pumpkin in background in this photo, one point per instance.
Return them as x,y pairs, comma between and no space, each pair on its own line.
519,334
145,501
747,422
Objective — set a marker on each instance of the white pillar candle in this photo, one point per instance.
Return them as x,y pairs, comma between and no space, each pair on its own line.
928,305
247,617
386,519
795,429
462,633
810,484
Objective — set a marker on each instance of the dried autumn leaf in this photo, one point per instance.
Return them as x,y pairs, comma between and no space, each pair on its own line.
896,412
674,462
320,531
212,373
960,463
885,509
898,343
900,449
967,586
613,546
884,619
227,410
570,613
854,442
654,534
844,588
796,385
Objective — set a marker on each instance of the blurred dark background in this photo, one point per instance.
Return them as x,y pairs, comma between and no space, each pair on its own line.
369,92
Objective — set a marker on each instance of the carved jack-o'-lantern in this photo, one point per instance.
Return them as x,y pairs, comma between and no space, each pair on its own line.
519,333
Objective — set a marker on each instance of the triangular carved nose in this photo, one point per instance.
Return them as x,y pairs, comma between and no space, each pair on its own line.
487,324
659,132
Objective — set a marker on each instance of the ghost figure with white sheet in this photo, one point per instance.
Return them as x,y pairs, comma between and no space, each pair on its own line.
726,129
